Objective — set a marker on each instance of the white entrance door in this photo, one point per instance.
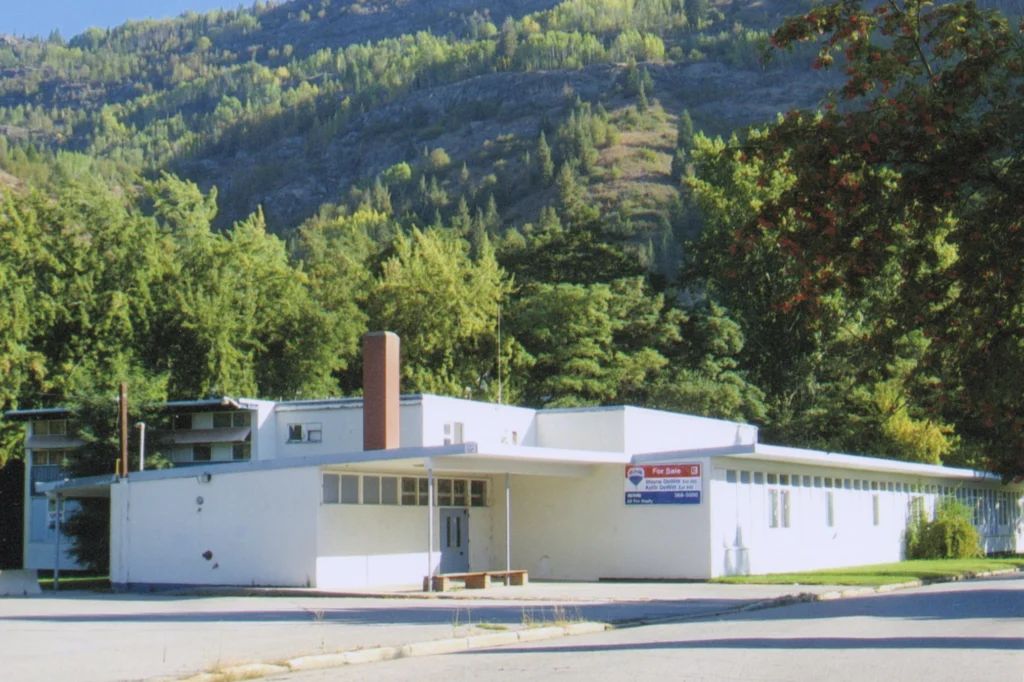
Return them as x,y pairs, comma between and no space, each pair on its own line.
454,540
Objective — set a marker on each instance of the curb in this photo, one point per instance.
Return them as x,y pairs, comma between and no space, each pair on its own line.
390,653
807,597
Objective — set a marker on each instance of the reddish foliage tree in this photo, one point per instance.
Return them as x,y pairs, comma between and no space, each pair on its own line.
913,177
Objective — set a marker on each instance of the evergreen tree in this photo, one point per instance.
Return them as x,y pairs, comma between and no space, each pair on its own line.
544,163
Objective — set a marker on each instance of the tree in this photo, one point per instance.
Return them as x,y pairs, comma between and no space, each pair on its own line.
544,162
570,331
444,306
696,11
909,189
240,318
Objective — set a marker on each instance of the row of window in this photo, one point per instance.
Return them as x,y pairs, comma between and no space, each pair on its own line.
51,457
203,452
797,481
50,427
998,507
221,420
405,490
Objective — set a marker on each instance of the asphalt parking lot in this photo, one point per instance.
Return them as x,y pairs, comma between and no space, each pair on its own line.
98,637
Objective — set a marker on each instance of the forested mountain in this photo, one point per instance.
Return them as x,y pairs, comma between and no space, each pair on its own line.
223,203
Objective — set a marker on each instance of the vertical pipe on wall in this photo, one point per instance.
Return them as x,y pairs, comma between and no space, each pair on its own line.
123,419
141,426
430,525
56,558
508,526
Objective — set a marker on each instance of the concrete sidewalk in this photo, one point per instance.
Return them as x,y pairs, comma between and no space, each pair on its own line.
92,637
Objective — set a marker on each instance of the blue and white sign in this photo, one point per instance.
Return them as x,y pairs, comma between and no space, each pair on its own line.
663,484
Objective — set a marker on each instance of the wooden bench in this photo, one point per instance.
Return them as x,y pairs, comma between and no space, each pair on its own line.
480,580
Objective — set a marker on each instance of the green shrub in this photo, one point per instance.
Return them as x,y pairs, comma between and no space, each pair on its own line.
951,535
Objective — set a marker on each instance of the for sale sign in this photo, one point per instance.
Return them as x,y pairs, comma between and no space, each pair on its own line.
663,484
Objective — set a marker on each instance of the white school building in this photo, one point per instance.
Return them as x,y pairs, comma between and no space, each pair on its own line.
338,494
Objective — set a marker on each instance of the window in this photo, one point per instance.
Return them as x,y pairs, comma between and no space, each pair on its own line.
330,489
847,484
389,490
478,493
459,493
876,510
874,485
828,482
50,427
371,489
50,457
444,492
314,433
817,481
890,486
744,477
349,489
778,512
202,453
758,477
241,451
305,433
773,479
856,484
807,481
409,491
454,433
830,509
730,476
181,422
783,479
226,420
424,492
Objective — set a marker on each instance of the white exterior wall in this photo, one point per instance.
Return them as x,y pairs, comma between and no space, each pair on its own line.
264,428
342,429
742,541
483,423
600,428
581,529
654,431
372,545
259,526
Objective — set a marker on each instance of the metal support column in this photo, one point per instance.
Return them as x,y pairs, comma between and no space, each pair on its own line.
56,558
508,526
430,525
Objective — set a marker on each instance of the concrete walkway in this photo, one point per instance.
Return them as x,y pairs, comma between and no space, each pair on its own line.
92,637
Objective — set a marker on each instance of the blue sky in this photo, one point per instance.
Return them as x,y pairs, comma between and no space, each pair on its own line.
39,17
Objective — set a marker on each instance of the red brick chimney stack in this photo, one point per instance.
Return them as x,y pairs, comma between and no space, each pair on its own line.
380,391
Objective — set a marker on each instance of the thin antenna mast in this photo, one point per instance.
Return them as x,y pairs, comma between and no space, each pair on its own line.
499,351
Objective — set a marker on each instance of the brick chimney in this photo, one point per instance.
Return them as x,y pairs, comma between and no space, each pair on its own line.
380,390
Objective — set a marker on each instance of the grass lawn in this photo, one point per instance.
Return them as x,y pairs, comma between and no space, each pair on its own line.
879,574
74,581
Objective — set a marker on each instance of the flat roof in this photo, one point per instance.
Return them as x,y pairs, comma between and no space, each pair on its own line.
778,453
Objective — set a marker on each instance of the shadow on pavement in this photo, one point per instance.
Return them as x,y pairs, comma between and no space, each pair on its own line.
389,614
986,643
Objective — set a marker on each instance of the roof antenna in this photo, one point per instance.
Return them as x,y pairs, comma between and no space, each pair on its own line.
499,351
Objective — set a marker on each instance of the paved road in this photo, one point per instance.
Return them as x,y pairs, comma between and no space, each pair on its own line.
957,632
87,637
